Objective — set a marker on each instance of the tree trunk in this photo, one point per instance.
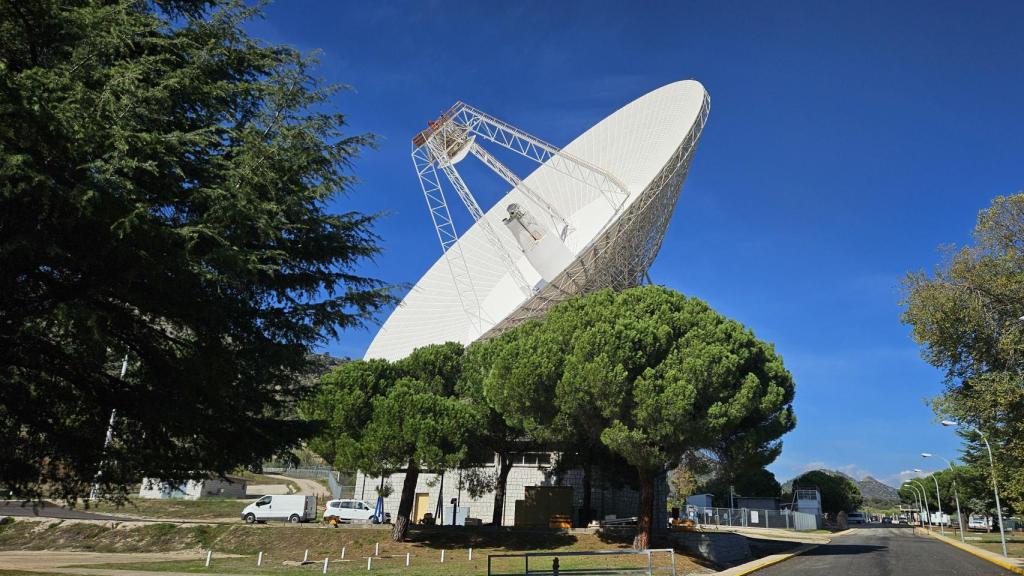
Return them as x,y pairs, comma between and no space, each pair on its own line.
405,505
504,467
642,540
587,472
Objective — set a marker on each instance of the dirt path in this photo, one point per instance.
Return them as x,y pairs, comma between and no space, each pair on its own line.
51,559
307,486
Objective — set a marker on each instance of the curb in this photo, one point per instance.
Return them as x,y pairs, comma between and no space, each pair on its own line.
980,553
765,562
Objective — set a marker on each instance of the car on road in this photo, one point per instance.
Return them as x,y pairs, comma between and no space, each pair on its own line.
856,518
292,508
345,511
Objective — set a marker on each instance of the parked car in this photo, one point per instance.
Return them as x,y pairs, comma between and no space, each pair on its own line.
978,522
345,511
292,508
856,518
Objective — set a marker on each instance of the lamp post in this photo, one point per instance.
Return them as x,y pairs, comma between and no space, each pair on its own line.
938,500
917,498
956,494
924,496
992,465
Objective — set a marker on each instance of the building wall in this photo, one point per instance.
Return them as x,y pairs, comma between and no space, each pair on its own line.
191,490
606,502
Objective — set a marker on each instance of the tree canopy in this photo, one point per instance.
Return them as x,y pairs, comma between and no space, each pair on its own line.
165,183
647,372
966,316
383,417
838,493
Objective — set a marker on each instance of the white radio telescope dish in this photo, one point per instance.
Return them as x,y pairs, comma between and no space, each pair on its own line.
592,215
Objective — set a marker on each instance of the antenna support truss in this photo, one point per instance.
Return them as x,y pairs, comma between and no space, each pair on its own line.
451,138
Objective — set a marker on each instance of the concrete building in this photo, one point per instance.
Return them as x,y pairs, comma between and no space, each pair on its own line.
193,489
528,469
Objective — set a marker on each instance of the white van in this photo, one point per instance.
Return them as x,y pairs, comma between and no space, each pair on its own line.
294,508
343,511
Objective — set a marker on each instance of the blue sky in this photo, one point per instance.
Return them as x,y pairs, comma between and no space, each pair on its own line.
846,142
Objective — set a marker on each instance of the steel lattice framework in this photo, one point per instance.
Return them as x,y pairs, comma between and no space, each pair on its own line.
445,139
622,255
608,196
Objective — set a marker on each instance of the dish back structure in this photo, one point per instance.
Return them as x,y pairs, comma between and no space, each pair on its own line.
592,215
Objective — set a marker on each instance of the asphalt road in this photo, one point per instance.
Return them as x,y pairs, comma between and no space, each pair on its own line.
883,550
47,510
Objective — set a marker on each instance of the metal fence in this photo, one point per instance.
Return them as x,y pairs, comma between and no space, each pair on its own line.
335,482
646,562
313,473
753,518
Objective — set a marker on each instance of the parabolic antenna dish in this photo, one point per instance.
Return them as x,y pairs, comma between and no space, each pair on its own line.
592,215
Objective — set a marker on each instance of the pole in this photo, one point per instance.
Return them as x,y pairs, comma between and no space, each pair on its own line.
995,489
916,500
956,496
938,502
925,498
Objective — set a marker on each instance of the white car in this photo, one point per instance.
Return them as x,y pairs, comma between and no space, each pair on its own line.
978,522
344,511
856,518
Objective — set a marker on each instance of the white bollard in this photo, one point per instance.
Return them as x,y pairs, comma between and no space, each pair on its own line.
406,558
325,565
209,556
470,554
442,555
342,552
259,560
369,562
305,557
376,549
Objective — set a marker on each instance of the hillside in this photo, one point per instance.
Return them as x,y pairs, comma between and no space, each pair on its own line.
871,489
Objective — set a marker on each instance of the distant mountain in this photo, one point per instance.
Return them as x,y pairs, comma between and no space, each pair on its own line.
870,489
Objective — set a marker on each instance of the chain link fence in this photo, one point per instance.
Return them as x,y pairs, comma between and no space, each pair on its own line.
753,518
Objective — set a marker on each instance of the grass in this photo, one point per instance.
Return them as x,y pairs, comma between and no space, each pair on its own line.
990,541
422,563
283,542
202,509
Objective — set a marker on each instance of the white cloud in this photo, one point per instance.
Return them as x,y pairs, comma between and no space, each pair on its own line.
904,475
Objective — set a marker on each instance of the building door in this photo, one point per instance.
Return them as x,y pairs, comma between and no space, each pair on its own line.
421,507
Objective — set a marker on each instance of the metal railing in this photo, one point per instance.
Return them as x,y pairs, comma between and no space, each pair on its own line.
555,568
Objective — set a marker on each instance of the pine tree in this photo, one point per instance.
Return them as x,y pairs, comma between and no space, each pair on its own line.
164,190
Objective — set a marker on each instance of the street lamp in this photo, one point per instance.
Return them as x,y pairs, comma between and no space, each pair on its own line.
924,496
917,498
992,465
938,500
956,493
